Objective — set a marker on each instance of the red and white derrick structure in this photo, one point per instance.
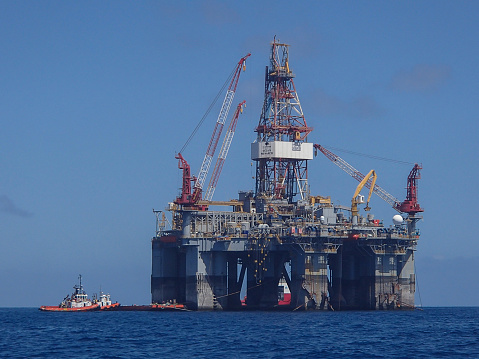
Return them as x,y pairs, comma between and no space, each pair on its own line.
281,150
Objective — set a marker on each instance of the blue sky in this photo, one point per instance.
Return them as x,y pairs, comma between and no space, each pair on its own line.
96,98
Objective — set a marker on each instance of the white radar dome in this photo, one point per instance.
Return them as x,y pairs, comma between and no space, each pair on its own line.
397,219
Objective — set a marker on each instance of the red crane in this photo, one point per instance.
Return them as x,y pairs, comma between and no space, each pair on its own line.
210,151
187,197
410,204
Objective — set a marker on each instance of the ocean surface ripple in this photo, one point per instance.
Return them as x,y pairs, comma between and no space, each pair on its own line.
428,333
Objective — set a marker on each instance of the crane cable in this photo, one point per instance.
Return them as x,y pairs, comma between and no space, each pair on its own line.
208,110
239,291
369,156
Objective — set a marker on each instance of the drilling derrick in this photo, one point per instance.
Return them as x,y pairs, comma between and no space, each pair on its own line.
281,150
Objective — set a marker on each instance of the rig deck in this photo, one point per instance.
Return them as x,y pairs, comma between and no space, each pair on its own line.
327,262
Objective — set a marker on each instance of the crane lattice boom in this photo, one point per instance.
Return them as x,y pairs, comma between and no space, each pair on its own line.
223,153
205,166
353,172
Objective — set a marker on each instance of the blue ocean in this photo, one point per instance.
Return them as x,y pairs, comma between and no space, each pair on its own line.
427,333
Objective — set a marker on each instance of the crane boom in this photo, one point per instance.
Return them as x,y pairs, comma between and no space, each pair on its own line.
411,205
353,172
205,166
223,153
371,176
185,196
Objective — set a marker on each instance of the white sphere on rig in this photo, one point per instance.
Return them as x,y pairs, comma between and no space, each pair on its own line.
397,219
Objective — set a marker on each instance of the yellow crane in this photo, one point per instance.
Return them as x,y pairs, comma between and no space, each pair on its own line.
357,198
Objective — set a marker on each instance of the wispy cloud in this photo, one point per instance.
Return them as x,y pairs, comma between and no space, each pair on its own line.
421,78
7,206
219,13
360,107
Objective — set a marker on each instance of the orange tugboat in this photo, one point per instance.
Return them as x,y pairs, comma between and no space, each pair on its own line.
79,302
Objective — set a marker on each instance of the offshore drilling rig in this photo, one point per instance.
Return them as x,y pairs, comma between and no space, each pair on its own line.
279,245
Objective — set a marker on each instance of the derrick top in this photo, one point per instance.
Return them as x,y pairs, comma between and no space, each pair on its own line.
279,62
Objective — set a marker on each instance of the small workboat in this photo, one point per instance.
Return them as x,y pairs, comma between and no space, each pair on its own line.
105,302
78,302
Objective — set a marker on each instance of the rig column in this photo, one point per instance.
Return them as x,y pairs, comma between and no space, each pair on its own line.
316,279
164,273
298,293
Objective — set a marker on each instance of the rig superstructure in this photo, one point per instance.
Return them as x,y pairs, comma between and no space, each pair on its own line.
329,256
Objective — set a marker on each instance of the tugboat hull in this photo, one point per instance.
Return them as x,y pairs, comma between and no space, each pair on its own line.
54,308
